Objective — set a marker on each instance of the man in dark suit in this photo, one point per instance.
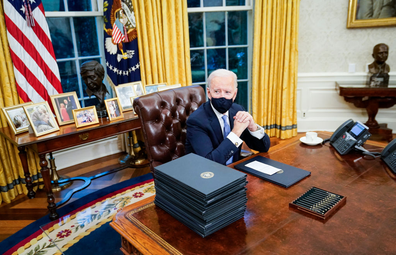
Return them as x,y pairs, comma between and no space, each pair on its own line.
206,126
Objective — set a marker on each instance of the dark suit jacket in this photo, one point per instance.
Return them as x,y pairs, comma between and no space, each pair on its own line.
205,138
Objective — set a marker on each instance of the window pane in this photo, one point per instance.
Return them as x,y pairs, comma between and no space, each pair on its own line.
195,21
82,81
86,36
79,5
193,3
237,28
53,5
216,59
208,3
237,61
235,2
68,73
215,28
197,65
61,37
242,96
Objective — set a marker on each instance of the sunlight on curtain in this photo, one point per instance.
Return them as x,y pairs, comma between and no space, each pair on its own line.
274,79
164,44
11,171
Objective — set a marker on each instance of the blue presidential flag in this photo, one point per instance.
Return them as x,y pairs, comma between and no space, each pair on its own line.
120,40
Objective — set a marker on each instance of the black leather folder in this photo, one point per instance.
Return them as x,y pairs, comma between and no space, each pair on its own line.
201,176
203,229
207,214
285,178
186,195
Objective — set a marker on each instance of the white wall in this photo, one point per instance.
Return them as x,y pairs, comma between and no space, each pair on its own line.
326,49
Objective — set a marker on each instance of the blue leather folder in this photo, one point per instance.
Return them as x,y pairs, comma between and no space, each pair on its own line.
286,178
200,176
202,194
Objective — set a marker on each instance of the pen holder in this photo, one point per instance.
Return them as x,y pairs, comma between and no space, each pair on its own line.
319,202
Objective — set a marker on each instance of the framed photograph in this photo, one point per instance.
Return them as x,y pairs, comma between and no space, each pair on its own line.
133,98
85,116
162,88
41,119
364,13
16,118
153,87
124,92
113,108
139,90
64,104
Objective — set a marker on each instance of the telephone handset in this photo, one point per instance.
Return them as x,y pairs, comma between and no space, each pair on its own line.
388,155
349,135
347,125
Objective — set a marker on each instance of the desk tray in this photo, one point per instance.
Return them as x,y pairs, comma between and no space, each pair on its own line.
319,202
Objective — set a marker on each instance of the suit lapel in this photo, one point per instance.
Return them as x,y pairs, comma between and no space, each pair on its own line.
214,121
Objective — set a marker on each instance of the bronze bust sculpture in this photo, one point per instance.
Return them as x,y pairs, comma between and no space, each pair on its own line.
379,70
93,73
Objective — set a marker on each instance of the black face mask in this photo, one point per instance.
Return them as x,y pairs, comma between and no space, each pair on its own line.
221,104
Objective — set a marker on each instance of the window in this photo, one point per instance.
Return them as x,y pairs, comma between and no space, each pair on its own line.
220,37
76,32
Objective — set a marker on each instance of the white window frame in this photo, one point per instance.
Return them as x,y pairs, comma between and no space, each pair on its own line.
247,7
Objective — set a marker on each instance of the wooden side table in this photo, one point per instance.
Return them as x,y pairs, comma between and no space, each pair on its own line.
371,98
67,136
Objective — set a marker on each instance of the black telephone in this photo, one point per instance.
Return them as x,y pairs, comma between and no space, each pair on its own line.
349,135
388,155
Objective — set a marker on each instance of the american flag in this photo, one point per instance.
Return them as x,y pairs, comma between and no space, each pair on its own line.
117,35
36,71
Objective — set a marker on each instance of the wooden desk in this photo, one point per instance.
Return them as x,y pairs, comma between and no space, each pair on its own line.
67,136
365,224
371,98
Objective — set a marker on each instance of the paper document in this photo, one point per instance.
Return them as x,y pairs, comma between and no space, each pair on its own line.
264,168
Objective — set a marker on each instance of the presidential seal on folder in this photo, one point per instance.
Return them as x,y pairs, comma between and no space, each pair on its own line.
200,193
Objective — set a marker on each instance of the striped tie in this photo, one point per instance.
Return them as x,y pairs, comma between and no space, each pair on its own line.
227,130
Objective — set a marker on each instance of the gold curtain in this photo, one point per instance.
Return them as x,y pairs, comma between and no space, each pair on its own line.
163,38
11,171
275,52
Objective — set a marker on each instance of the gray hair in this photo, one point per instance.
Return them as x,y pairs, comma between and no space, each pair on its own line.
222,73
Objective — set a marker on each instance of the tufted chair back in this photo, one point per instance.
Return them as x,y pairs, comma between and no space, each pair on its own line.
163,116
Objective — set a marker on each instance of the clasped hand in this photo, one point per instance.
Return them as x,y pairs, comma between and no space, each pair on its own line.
243,120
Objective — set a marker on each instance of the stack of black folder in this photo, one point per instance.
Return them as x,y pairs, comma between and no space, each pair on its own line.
200,193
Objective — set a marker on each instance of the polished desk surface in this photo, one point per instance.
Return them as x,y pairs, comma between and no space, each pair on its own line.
366,224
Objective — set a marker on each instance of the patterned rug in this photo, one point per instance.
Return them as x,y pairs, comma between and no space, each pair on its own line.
83,227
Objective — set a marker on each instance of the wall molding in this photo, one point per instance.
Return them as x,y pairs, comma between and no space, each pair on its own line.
86,152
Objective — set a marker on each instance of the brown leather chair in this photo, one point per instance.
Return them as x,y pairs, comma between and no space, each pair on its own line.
163,116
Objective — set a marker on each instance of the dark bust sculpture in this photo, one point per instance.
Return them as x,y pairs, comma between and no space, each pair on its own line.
380,55
93,73
378,70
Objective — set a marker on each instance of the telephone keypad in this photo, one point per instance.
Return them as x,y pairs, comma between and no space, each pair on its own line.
390,160
344,143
